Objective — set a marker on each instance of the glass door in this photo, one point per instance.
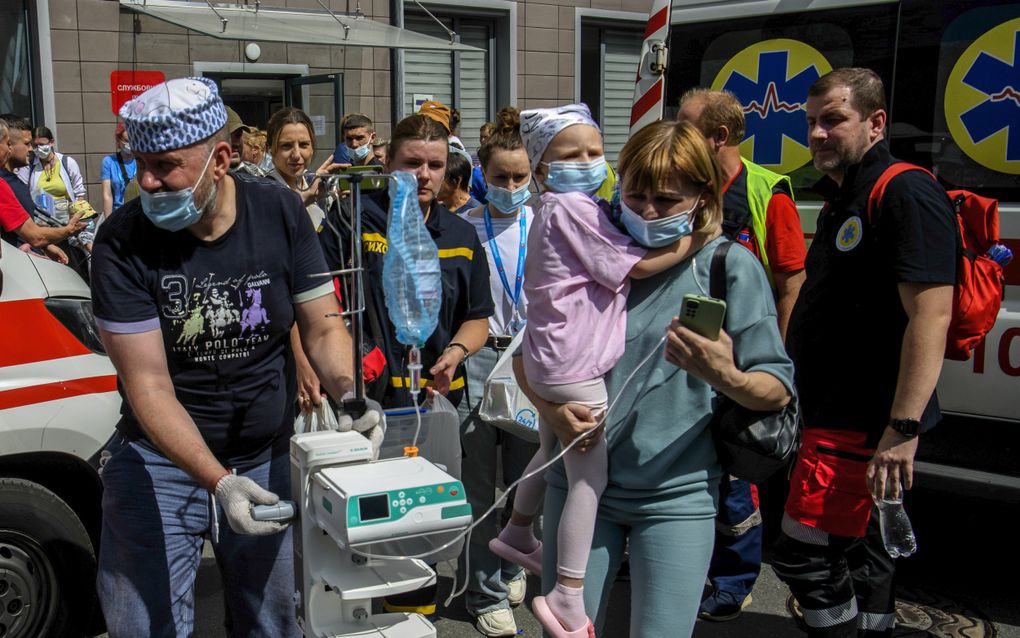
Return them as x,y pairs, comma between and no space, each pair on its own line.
322,98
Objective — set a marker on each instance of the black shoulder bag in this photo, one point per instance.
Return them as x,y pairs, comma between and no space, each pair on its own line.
751,445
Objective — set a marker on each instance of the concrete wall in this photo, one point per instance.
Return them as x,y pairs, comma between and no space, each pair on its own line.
545,47
91,38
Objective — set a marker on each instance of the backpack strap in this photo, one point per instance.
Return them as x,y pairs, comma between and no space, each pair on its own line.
717,271
63,162
878,190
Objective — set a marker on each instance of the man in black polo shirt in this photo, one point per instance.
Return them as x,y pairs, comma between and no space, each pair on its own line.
867,336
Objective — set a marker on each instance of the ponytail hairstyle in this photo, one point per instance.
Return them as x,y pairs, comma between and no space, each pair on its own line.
506,135
416,127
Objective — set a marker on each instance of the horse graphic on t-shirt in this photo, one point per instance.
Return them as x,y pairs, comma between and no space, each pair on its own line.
193,326
254,315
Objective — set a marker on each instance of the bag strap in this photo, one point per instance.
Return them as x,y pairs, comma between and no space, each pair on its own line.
717,271
123,169
878,190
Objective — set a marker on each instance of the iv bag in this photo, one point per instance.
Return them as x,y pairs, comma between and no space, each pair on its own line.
412,283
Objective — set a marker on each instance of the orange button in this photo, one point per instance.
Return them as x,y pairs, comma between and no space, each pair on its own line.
440,489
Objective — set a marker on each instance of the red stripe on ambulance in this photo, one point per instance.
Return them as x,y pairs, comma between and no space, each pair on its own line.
56,391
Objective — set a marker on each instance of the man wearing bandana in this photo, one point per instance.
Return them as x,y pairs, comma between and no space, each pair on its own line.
196,285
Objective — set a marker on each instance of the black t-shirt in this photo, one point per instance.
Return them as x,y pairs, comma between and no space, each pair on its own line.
24,196
846,330
466,294
225,309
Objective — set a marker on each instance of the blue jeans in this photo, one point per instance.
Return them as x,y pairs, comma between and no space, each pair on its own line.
482,443
736,561
154,519
669,556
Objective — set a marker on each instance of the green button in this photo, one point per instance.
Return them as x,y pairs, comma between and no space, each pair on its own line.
455,511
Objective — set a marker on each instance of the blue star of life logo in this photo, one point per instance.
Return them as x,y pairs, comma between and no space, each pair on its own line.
773,105
848,234
1000,81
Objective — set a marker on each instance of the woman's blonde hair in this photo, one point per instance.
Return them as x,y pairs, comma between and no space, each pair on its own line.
661,152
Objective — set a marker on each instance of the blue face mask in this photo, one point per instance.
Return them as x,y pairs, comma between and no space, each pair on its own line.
508,201
576,177
359,153
176,210
656,233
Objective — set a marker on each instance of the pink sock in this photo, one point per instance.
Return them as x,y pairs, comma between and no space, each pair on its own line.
520,537
567,604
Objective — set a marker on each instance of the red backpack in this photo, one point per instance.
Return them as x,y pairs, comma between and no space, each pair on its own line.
979,289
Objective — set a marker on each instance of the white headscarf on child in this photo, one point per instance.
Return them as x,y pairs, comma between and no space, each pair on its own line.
539,126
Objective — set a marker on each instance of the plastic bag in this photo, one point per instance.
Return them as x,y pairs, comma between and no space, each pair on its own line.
317,419
504,405
412,282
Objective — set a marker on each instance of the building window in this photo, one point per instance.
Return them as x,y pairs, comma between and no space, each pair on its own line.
17,59
460,80
609,62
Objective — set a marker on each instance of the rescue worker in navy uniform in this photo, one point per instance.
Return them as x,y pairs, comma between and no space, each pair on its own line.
196,287
867,337
420,145
758,213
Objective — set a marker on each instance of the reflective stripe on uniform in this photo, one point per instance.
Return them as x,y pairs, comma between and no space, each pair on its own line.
831,616
463,251
867,620
804,533
405,382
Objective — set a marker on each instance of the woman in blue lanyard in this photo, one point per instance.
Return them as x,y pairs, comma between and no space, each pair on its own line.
502,225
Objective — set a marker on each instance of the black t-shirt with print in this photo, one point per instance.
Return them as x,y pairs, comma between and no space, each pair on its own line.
225,309
846,330
466,294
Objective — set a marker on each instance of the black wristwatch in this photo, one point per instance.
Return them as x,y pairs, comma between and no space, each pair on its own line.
907,427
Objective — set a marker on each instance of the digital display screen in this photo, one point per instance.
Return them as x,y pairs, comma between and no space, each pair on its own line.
372,508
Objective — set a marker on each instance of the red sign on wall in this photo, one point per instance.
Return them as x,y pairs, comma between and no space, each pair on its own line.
125,85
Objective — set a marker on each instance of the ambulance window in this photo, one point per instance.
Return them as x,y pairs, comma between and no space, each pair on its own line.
961,115
769,62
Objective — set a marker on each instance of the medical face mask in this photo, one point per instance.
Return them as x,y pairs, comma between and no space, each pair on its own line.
656,233
508,201
576,177
43,151
176,210
359,153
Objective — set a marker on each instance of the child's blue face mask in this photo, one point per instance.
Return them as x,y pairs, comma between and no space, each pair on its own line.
576,177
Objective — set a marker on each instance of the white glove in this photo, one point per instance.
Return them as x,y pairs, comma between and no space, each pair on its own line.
236,495
372,423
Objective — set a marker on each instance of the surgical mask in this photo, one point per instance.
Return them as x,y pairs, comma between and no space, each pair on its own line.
508,201
656,233
359,153
43,151
576,177
176,210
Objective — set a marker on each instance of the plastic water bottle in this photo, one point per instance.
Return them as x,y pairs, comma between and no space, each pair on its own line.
897,532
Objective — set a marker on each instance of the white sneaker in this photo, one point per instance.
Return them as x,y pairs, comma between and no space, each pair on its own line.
516,590
498,622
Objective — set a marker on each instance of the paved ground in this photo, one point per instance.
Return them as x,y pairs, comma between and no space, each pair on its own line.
961,584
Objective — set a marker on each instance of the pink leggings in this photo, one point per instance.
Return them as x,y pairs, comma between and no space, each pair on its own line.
586,480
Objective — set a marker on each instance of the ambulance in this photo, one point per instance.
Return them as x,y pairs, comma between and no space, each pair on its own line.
58,408
951,69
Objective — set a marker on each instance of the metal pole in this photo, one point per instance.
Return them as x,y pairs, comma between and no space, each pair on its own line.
357,406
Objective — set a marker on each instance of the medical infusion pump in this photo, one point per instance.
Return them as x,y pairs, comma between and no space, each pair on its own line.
383,500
